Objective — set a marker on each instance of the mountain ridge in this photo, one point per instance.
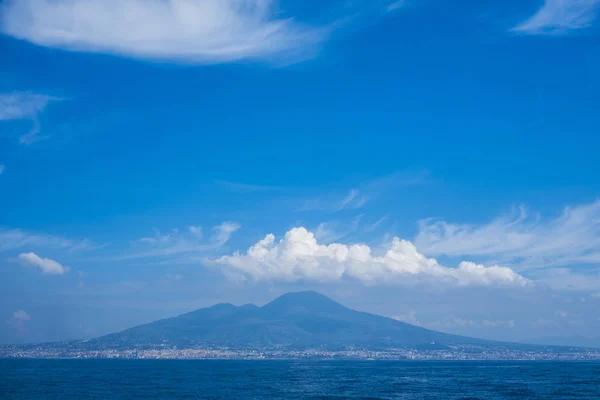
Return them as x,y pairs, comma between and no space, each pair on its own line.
293,326
295,320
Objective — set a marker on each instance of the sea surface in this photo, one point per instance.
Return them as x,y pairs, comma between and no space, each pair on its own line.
229,379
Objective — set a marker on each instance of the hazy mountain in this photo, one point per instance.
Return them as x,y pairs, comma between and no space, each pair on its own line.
292,321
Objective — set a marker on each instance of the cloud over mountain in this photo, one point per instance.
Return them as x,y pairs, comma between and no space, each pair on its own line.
298,256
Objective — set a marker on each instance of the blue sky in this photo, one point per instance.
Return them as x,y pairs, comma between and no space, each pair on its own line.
431,163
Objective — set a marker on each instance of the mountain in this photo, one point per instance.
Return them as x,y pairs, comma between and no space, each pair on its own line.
293,321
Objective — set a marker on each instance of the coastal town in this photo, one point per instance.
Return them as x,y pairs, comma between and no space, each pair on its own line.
518,352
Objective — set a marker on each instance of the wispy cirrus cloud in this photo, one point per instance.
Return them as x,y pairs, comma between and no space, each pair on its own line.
185,31
12,238
298,256
558,17
46,265
567,279
16,106
351,199
520,239
357,197
189,242
222,233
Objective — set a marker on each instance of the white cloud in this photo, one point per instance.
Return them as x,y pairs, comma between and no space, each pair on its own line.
18,320
521,239
188,31
11,239
158,237
222,233
560,17
298,256
21,315
25,106
47,265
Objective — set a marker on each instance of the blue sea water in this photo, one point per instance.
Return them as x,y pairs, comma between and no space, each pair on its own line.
229,379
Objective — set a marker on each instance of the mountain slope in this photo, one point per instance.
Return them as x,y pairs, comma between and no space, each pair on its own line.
293,321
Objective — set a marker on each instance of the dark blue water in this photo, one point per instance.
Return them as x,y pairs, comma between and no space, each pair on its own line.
180,379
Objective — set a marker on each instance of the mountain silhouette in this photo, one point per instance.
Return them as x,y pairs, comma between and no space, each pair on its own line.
293,321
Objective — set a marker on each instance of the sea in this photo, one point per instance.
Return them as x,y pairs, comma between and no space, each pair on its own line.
232,379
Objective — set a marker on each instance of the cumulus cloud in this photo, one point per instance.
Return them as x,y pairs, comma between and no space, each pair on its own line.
18,320
560,17
11,239
25,106
520,239
189,31
298,256
46,265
